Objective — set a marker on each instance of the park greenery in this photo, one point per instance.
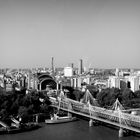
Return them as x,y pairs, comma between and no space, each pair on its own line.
107,97
22,105
127,98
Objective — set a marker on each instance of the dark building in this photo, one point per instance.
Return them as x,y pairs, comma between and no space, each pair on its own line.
80,69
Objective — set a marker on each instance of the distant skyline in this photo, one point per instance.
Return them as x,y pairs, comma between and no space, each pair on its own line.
104,33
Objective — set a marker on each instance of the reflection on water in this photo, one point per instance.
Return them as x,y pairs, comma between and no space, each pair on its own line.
78,130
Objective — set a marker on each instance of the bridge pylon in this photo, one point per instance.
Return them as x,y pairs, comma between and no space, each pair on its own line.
122,121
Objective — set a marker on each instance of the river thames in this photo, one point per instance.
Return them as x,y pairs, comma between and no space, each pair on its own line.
78,130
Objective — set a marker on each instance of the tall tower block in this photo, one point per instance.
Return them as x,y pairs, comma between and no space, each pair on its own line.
72,65
52,65
80,69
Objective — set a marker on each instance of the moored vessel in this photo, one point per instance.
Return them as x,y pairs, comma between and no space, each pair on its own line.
56,119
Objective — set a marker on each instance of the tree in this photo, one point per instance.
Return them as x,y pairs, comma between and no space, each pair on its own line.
137,94
44,108
103,96
2,90
18,103
70,93
78,94
123,85
27,101
22,111
108,96
115,93
3,114
93,90
127,96
14,107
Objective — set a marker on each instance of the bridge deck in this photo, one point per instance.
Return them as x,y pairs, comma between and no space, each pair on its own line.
107,116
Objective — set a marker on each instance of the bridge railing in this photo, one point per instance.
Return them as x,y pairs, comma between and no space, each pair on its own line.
112,115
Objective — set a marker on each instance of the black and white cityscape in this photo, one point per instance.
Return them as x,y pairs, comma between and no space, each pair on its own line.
69,69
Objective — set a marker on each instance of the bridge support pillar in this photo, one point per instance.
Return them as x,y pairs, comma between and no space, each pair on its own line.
90,122
121,132
36,118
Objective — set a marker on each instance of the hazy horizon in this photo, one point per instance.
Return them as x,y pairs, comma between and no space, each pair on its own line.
104,33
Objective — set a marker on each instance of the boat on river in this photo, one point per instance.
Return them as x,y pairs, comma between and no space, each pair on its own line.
57,119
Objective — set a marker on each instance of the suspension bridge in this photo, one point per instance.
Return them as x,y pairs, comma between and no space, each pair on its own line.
89,108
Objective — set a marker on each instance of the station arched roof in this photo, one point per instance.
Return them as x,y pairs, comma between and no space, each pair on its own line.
46,79
42,76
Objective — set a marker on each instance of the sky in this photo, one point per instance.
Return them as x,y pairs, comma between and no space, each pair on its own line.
104,33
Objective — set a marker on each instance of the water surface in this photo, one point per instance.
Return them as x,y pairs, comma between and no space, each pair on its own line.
78,130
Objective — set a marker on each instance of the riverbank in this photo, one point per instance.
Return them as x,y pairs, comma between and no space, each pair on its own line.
20,129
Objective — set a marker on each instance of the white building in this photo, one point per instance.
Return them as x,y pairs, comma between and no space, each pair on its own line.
76,82
117,72
87,80
1,76
134,83
1,84
68,72
114,81
91,71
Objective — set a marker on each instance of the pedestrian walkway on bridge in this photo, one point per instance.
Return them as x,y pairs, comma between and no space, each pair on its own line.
114,116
